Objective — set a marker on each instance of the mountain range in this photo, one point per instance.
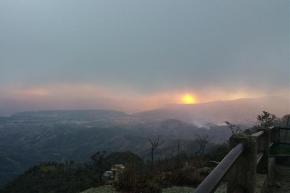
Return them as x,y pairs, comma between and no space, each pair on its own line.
29,138
241,111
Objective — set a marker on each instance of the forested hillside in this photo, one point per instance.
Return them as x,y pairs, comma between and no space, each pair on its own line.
27,139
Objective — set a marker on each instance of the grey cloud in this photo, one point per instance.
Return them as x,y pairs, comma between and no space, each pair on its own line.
146,45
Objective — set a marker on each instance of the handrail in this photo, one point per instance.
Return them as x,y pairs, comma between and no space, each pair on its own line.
259,157
252,149
257,134
210,183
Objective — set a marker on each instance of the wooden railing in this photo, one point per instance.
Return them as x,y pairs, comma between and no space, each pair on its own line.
282,135
249,155
215,177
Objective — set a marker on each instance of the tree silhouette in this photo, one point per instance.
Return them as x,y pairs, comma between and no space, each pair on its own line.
202,141
99,163
266,119
234,128
155,143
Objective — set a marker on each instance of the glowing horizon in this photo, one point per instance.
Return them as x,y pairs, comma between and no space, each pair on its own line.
86,96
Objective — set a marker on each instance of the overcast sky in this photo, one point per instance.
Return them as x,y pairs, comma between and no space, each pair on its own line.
144,47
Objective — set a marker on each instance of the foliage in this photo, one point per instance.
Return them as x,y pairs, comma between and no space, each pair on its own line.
202,141
132,181
27,139
70,177
179,170
101,189
176,189
110,189
127,158
219,152
184,177
53,178
266,119
100,164
128,181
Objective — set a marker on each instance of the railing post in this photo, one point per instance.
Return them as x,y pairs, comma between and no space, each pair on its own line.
264,164
242,177
275,135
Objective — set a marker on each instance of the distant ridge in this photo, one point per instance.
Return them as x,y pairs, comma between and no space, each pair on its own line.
239,111
54,113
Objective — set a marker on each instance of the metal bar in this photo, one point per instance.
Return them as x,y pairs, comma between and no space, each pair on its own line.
259,157
258,134
211,182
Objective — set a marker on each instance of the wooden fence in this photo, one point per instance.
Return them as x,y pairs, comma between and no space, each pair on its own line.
249,155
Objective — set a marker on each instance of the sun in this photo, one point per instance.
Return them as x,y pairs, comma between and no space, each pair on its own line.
188,99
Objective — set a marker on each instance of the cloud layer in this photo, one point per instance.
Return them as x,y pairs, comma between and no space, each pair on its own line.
142,52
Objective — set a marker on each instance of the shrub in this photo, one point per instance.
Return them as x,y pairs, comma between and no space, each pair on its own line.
132,182
127,181
150,187
184,177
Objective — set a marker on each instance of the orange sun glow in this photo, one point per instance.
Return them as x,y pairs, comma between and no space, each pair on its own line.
188,99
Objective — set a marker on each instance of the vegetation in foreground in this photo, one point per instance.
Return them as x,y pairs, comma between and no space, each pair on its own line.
174,189
110,189
138,175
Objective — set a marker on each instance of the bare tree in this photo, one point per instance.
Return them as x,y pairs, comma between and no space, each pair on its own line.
178,146
202,141
234,128
155,143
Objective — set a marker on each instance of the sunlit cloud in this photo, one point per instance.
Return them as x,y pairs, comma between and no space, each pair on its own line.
88,96
32,92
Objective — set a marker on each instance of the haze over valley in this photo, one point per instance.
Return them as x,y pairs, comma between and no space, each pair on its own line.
154,88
